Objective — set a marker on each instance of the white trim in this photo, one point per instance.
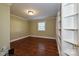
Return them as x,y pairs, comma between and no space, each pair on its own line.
42,36
18,17
31,36
19,38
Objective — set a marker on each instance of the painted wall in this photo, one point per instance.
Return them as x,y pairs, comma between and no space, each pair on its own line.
50,27
19,27
4,26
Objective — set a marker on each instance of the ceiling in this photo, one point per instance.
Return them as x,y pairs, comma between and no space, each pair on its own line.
42,10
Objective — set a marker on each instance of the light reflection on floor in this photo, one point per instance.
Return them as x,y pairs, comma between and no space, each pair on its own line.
41,48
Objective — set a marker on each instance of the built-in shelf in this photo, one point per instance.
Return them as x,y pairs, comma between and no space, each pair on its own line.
69,29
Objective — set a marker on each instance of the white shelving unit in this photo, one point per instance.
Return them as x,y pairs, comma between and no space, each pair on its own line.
69,42
69,33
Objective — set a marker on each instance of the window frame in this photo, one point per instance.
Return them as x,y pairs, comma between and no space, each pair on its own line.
44,26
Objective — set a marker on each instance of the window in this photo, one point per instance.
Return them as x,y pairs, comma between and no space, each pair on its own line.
41,26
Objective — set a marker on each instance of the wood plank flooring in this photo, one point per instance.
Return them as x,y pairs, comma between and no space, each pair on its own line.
32,46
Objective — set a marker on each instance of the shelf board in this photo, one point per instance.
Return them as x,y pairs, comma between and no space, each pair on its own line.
72,29
66,4
71,15
71,42
70,52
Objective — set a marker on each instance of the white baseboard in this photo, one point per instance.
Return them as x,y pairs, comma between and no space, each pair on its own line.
32,36
19,38
42,37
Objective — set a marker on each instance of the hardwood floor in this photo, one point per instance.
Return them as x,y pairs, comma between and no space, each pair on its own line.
32,46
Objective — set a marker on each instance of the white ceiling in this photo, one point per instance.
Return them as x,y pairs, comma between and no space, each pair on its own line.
43,9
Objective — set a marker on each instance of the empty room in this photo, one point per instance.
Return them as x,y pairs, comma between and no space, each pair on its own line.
33,28
39,29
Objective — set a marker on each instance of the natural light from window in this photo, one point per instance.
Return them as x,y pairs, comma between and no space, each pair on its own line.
41,26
